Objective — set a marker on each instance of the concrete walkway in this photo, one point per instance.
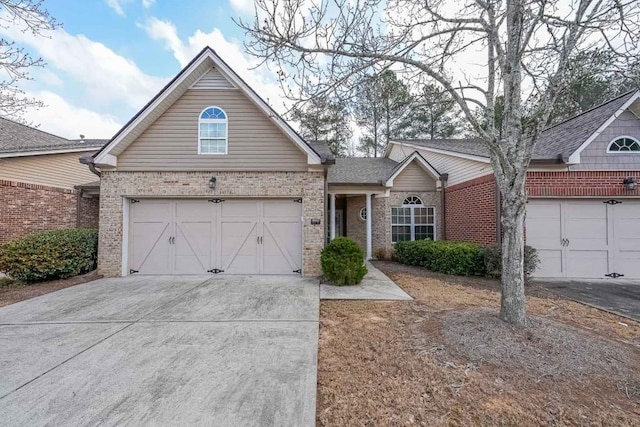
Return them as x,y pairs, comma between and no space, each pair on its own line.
615,295
375,286
227,351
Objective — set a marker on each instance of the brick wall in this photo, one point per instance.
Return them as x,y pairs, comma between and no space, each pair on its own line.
30,208
117,185
471,211
580,184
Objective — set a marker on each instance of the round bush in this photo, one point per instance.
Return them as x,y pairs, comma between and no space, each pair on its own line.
49,255
343,262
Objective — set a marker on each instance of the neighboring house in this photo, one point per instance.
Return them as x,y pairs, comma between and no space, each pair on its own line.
39,175
208,178
583,214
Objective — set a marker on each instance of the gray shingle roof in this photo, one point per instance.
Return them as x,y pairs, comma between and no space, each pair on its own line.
18,138
360,170
322,148
556,142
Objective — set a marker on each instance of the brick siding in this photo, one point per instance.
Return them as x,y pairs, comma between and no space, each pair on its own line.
30,208
470,211
580,184
117,185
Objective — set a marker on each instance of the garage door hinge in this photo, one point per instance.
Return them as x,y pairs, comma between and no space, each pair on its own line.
216,200
298,271
614,275
134,201
612,202
131,271
215,271
297,200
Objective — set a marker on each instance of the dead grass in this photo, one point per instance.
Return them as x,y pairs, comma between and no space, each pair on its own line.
12,291
445,359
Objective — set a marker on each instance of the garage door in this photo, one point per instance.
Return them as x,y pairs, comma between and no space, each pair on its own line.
585,238
215,236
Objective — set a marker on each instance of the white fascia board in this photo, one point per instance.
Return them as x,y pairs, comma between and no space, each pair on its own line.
446,152
45,152
108,160
423,163
574,158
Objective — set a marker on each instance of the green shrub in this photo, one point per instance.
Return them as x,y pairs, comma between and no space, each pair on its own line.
50,255
343,262
459,258
493,260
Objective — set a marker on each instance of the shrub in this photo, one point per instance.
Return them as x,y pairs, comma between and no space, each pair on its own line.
459,258
382,253
493,260
56,254
343,262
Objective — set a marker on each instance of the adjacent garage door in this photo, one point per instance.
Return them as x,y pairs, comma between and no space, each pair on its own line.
230,236
585,238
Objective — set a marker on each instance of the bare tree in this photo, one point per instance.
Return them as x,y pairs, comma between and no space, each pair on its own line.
522,47
15,62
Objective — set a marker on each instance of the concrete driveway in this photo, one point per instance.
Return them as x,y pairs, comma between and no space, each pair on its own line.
618,296
224,351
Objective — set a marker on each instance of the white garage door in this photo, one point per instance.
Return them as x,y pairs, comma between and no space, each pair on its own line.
585,238
216,236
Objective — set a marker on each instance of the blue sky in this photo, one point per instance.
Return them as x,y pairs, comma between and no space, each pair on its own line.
111,56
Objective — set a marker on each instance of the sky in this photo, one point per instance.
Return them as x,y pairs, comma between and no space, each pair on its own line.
110,57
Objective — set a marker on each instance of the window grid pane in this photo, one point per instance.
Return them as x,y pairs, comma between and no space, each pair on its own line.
213,146
412,223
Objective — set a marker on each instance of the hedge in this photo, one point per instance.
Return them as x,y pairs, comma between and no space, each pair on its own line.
49,255
458,258
342,262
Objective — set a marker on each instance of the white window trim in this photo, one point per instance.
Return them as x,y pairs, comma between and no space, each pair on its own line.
622,152
226,138
360,214
413,221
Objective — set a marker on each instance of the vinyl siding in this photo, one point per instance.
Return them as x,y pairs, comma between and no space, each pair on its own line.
413,178
213,80
459,169
171,142
54,170
595,156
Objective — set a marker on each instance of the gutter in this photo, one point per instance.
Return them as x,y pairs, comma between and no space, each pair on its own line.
88,160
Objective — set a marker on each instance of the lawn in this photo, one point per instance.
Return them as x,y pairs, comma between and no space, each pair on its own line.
445,359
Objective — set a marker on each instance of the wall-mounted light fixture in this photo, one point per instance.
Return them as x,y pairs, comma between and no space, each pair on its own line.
630,183
212,182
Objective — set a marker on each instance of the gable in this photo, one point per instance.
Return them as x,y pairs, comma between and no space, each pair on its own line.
171,141
595,155
413,178
213,79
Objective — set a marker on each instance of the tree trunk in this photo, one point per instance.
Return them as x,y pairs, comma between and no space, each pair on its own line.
513,307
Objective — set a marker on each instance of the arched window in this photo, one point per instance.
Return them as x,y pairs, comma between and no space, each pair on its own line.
624,144
413,221
212,128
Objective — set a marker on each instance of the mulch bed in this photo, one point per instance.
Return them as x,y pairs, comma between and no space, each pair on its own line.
446,359
12,291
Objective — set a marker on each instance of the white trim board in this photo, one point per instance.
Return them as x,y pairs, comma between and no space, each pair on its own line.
441,151
425,165
45,152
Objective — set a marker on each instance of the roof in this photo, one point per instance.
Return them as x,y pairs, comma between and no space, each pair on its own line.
19,138
361,170
557,142
88,185
322,148
198,66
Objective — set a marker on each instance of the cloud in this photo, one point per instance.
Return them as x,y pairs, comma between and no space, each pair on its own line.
148,3
102,74
69,121
117,5
261,79
242,6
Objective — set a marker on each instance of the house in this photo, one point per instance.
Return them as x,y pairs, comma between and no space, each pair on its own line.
583,213
207,178
41,181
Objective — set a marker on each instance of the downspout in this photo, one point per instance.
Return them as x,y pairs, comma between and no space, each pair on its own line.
78,196
85,160
443,204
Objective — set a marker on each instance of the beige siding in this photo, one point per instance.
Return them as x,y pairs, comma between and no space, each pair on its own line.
213,80
171,142
55,170
413,178
459,169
